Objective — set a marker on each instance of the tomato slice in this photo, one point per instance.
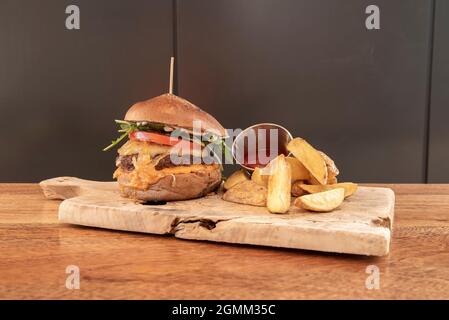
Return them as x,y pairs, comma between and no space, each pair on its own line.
144,136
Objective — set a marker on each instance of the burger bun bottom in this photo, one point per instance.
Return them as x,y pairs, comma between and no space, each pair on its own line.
175,187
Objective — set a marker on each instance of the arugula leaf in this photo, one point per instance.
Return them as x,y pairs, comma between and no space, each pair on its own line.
117,141
126,128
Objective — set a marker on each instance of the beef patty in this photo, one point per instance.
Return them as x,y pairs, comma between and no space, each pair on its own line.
126,162
187,160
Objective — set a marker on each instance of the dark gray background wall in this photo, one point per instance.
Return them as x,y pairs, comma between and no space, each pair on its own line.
439,106
313,67
368,98
61,90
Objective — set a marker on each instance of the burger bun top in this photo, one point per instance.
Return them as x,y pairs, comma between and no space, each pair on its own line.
174,111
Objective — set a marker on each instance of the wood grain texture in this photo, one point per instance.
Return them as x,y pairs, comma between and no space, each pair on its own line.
35,250
361,225
62,188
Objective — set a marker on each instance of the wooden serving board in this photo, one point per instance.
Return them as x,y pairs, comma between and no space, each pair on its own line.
362,225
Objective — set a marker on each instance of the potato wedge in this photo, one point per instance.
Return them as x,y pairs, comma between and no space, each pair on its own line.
297,190
323,201
332,169
349,188
247,192
310,158
259,177
279,186
299,172
313,181
332,180
235,178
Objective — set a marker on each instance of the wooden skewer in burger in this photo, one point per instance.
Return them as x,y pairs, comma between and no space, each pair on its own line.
145,170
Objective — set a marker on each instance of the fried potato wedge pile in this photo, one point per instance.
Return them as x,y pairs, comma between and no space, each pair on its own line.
308,174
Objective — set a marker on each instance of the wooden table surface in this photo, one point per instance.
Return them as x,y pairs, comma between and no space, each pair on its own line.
35,251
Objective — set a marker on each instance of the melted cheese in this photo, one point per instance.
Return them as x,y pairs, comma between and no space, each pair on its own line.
137,147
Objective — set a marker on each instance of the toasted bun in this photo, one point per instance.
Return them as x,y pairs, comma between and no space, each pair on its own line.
174,187
173,110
